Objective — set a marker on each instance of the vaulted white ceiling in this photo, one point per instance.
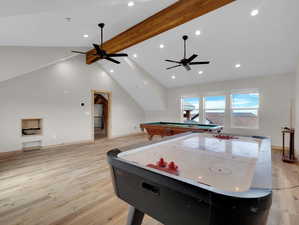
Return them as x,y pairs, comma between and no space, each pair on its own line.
264,45
43,22
17,61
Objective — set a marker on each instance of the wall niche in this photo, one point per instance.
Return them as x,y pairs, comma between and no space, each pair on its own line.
31,127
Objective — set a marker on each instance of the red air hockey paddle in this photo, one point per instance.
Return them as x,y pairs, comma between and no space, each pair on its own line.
162,165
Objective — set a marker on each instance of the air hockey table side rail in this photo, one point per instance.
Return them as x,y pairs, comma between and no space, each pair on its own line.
173,202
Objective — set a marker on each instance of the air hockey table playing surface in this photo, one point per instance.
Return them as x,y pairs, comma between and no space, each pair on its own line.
219,181
227,165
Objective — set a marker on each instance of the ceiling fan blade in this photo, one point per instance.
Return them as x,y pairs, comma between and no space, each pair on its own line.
112,60
187,67
199,63
84,53
167,60
192,57
79,52
173,67
118,55
99,50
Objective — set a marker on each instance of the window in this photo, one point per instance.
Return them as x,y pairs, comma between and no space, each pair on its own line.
190,110
245,110
214,110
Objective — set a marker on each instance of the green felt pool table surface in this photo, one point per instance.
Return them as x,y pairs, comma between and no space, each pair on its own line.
169,128
185,125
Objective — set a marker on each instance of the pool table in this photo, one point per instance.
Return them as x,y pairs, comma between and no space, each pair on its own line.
168,128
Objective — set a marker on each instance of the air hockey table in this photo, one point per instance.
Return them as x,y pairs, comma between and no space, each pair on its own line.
217,181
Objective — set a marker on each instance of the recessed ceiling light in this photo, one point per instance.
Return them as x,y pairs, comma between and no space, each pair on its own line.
162,45
68,19
254,12
131,3
198,32
85,35
135,55
238,65
111,71
173,77
200,72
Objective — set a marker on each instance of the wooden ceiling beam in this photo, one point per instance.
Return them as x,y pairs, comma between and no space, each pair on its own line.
171,17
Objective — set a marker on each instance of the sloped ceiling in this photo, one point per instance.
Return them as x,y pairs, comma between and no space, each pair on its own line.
16,61
43,23
264,45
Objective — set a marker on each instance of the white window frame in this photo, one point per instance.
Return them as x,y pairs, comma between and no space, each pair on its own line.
254,91
204,106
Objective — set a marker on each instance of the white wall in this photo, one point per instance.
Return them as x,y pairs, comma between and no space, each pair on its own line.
55,94
146,91
276,92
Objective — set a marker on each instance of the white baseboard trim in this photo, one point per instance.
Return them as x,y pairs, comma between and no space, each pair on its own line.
68,143
126,135
10,154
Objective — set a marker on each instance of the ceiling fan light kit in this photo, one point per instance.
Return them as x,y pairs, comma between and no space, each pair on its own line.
186,62
100,52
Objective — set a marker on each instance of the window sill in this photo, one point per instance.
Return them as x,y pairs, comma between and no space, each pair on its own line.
245,128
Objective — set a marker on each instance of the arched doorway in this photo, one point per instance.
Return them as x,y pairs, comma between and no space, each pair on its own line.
101,114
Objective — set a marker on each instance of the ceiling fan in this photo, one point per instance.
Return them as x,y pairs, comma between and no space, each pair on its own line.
186,63
101,52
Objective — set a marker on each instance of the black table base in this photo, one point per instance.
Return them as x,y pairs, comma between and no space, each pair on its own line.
135,216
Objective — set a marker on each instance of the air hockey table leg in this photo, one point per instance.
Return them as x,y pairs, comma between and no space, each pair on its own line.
135,217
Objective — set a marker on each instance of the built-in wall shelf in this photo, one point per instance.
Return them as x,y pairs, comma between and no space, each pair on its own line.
32,145
31,127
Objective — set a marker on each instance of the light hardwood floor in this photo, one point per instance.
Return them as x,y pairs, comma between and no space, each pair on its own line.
71,186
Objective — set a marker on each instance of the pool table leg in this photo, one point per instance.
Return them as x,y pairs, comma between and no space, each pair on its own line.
135,216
